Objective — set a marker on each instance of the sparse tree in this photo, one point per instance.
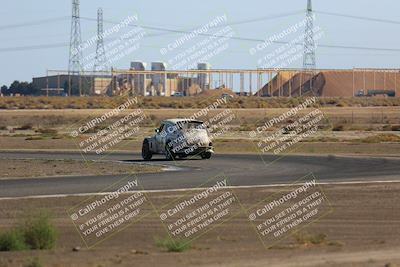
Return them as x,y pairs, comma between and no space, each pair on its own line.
14,87
4,89
23,88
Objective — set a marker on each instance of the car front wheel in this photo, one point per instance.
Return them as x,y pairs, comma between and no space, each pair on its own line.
146,153
206,155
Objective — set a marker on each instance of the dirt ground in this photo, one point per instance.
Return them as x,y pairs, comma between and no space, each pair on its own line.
361,230
70,117
50,129
228,145
18,168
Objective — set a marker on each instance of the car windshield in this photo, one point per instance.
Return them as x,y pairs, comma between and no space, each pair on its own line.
190,125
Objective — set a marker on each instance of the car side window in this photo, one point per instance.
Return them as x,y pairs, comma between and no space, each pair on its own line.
168,129
161,128
171,128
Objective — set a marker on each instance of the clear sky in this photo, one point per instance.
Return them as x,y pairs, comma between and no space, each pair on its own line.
26,62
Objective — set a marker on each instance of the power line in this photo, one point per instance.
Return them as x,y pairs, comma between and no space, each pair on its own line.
276,16
259,40
238,38
46,21
32,23
358,17
240,22
33,47
56,45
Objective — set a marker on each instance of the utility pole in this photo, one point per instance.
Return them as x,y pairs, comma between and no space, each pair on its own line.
100,60
75,53
309,44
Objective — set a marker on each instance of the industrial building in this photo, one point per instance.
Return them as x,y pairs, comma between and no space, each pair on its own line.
74,84
155,82
159,81
333,83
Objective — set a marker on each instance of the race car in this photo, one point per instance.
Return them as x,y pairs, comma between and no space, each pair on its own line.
179,138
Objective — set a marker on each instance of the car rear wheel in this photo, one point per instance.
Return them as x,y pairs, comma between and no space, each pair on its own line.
206,155
146,153
169,155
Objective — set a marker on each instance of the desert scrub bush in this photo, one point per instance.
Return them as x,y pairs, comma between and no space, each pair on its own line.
246,127
381,138
293,102
303,238
178,245
341,104
387,128
39,232
34,232
34,138
47,131
25,127
338,128
12,240
396,128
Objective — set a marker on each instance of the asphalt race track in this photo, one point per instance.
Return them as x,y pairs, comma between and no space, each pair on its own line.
241,170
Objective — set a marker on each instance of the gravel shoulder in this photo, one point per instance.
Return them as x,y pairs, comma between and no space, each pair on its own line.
42,168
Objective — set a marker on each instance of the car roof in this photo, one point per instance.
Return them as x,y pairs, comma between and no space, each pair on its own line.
181,120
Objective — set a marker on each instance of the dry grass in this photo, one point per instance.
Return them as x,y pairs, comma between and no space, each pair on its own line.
352,129
317,146
355,118
184,102
381,138
303,238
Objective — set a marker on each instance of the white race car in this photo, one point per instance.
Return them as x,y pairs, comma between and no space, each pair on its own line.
179,138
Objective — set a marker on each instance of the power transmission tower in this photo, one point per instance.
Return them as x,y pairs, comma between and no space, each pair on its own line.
100,60
75,53
309,44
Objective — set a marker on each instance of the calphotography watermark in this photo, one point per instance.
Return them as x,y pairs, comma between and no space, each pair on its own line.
194,135
278,37
217,21
101,216
220,123
289,211
280,133
107,33
118,48
203,50
103,133
200,45
288,53
197,213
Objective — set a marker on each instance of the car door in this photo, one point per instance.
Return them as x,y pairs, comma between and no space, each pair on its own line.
169,133
160,138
